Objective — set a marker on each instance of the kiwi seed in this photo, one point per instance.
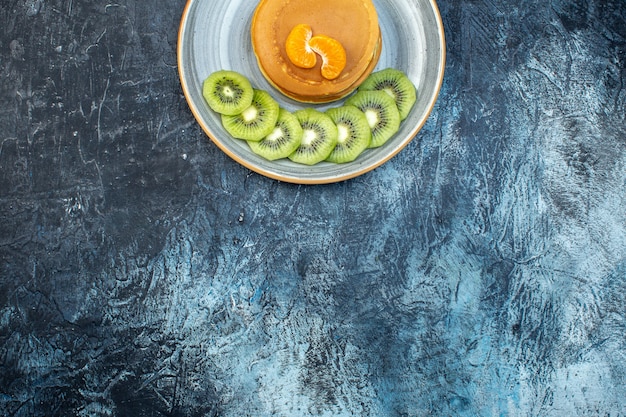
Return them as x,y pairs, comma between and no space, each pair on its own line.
395,83
381,112
227,92
282,141
256,121
319,137
354,134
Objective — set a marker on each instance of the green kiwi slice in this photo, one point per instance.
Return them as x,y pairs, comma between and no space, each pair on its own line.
282,141
256,121
227,92
319,137
395,83
381,112
354,134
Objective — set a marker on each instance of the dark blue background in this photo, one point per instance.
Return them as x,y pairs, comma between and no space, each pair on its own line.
480,272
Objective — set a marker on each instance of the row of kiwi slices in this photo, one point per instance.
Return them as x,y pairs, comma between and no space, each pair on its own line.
367,119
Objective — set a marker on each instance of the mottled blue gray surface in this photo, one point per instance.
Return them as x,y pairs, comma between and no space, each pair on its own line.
481,272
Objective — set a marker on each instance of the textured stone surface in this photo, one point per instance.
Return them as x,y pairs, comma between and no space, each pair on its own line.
480,272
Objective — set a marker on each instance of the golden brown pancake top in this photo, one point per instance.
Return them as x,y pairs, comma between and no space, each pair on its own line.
354,23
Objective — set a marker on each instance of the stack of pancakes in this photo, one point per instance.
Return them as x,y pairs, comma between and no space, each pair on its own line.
354,23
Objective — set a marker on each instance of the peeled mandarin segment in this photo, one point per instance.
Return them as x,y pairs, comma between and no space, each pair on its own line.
332,53
297,46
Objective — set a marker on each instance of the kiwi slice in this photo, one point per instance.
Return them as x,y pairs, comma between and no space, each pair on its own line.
381,112
227,92
256,121
282,141
354,134
395,83
319,137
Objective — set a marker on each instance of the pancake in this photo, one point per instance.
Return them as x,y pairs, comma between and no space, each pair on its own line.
354,23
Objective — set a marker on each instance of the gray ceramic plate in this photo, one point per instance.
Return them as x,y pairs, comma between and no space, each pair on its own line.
215,35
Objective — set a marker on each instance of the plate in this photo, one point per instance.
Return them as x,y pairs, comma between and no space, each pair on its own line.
215,35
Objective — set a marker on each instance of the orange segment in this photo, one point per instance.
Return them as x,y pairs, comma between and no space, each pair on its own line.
297,46
332,53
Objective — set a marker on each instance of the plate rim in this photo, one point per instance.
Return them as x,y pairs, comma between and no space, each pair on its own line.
294,179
